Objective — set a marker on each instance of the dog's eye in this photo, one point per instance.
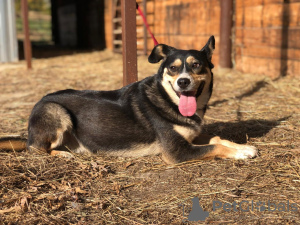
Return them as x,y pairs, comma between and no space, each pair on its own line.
196,65
173,68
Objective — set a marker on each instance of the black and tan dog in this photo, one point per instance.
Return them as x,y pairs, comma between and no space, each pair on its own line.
160,114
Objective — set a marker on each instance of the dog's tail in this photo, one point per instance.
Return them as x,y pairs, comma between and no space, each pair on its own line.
15,143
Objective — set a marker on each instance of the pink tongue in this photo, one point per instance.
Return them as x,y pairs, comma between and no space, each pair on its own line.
187,105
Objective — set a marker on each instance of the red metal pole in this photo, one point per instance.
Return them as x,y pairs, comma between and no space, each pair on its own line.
225,33
26,43
128,11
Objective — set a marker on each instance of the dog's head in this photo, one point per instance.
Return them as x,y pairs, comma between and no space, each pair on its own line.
186,75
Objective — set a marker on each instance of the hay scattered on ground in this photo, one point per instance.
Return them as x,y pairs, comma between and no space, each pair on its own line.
245,108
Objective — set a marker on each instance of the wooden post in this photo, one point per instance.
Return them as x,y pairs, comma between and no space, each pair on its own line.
225,34
26,43
145,28
128,11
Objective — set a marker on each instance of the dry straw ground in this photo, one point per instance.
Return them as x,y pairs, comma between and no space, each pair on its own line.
39,189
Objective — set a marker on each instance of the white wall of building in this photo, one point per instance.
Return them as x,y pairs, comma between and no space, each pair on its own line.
8,38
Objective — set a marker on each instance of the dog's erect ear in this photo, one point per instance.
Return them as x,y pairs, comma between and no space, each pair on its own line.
209,47
160,52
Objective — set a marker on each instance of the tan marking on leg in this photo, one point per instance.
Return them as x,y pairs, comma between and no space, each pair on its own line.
249,150
187,133
59,139
64,154
221,151
242,151
215,140
57,112
167,158
81,149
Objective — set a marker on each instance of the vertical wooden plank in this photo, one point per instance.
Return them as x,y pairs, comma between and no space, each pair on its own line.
113,11
128,11
145,28
27,44
225,33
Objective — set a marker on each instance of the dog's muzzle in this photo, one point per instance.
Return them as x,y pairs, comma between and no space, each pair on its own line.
187,100
183,83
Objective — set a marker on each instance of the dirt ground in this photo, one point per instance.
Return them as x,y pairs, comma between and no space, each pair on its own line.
39,189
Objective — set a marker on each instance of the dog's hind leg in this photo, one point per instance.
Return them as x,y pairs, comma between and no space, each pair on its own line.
47,125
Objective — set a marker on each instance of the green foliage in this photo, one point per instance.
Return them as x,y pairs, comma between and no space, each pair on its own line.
35,5
39,19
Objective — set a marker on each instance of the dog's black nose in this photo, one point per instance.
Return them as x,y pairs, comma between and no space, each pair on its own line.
183,82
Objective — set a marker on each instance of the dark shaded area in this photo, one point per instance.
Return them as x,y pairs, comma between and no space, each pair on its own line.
90,24
45,50
76,27
258,85
78,23
238,131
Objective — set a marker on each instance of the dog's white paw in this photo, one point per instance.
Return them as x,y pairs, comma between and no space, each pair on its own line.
245,152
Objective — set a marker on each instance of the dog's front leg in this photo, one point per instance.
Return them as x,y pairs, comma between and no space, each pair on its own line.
204,139
178,149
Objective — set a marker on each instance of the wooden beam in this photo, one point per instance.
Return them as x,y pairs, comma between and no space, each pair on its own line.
128,11
145,28
26,43
225,34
